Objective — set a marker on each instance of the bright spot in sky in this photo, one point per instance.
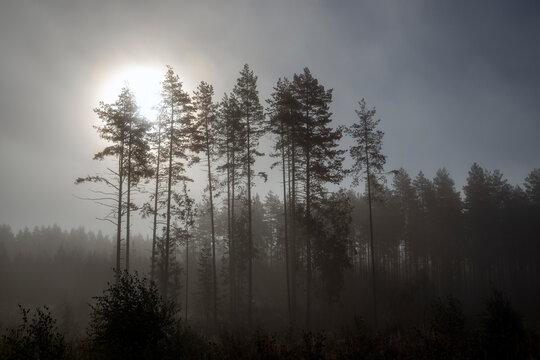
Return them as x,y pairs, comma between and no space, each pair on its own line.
143,81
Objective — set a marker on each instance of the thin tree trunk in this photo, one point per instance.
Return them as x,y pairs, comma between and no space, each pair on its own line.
233,234
119,216
294,261
308,241
187,275
285,224
168,228
128,210
229,230
154,230
368,179
308,219
250,237
212,222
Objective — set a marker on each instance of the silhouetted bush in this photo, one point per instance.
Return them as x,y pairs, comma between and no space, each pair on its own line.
36,338
503,330
357,341
447,336
131,320
186,343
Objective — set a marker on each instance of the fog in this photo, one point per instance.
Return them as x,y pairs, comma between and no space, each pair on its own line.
450,211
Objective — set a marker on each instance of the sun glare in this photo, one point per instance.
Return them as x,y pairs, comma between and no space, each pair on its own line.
144,81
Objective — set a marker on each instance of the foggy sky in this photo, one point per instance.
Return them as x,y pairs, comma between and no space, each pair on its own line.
453,82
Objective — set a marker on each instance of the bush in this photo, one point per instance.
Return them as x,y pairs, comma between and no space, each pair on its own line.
447,318
131,320
447,337
504,334
35,338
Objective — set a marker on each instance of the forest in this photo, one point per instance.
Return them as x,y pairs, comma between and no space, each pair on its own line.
396,265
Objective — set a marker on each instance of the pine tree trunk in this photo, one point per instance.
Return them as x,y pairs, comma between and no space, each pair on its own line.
233,236
308,241
250,237
212,221
229,231
128,210
294,261
187,275
368,179
285,219
154,230
119,215
168,227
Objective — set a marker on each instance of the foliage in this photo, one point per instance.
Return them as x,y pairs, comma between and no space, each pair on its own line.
502,328
331,220
447,317
366,152
131,320
36,338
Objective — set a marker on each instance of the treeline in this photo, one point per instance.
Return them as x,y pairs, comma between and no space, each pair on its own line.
423,228
428,243
130,320
308,257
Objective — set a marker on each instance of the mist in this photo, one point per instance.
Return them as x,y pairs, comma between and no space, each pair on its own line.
313,177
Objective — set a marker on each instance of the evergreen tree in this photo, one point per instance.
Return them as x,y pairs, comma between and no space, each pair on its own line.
532,186
206,117
205,279
230,143
332,217
283,110
116,119
367,159
137,166
176,116
251,114
155,157
322,160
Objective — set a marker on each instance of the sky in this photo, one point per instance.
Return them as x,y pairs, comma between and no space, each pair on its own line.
453,82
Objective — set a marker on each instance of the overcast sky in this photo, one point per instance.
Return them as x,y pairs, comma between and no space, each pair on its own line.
454,82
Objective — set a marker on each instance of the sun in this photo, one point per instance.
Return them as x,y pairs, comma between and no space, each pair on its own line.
145,83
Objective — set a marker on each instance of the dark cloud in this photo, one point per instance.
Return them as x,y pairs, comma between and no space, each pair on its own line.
454,82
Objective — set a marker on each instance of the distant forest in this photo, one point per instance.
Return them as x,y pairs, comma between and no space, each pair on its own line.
307,257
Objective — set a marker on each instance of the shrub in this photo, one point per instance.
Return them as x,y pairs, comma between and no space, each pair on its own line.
36,338
504,334
131,320
447,318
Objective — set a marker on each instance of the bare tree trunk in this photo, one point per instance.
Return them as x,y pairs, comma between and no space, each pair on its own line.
128,209
168,227
285,219
250,235
156,194
294,261
187,275
212,222
233,235
368,179
229,232
308,242
119,216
